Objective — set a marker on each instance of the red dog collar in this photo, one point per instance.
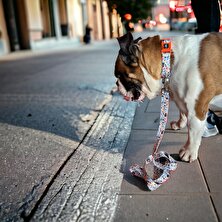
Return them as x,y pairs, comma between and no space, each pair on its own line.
166,46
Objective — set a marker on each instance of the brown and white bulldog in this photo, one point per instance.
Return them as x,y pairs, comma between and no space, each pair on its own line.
196,78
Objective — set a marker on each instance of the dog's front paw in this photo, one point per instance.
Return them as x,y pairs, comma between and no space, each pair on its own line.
188,155
180,124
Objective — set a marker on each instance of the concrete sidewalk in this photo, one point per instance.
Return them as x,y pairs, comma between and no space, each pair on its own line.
193,193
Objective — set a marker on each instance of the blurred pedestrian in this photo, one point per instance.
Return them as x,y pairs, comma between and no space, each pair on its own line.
87,36
207,13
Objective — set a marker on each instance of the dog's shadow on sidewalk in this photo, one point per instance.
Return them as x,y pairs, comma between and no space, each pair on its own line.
176,157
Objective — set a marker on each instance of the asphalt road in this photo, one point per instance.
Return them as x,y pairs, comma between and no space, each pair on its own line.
50,86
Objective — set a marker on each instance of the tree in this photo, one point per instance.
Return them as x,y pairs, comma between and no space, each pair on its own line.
139,9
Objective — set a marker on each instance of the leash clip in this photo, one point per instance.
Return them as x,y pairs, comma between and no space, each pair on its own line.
166,84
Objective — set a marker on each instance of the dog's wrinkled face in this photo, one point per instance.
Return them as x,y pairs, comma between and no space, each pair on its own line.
138,67
129,81
129,75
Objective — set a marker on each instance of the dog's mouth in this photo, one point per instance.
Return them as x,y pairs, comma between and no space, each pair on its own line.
133,92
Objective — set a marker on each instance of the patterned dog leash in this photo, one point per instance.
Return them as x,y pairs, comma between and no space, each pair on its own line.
159,165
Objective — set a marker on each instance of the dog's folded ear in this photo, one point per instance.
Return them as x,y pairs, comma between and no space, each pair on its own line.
129,49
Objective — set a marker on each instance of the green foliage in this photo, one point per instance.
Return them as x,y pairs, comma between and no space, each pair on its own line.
139,9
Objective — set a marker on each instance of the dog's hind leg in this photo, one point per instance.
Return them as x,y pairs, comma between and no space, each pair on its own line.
180,124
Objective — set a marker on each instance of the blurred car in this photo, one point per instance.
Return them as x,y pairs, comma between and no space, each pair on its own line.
177,25
188,26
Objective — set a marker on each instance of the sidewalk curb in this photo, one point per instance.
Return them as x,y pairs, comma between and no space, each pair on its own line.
89,183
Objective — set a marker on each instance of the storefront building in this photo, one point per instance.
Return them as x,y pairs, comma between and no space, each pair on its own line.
39,24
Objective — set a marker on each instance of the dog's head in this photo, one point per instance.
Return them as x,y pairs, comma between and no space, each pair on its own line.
138,67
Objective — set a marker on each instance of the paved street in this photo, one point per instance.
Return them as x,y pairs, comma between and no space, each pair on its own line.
67,140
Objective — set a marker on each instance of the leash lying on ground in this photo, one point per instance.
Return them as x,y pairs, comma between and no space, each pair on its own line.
159,165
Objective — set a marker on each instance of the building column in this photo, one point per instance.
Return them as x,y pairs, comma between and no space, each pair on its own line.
4,40
56,19
99,19
84,13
